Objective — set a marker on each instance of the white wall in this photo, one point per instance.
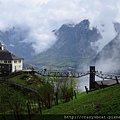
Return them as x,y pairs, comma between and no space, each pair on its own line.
16,66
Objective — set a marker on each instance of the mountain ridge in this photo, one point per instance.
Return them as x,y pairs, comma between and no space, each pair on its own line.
108,58
73,46
13,39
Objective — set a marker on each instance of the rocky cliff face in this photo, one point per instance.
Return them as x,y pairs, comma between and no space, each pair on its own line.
74,46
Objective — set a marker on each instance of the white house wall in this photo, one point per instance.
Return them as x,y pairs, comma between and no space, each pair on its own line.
17,66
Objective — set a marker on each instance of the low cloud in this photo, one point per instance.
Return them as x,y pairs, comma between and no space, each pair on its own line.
41,17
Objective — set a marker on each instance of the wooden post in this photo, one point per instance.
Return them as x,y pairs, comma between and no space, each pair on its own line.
46,105
48,100
92,77
30,105
39,106
4,117
75,94
102,84
67,97
54,99
17,115
116,80
56,94
28,111
72,93
42,103
86,89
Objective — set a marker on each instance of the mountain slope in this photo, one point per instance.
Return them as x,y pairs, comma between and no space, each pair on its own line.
108,59
13,41
74,46
100,102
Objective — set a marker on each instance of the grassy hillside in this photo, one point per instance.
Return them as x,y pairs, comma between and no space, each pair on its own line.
104,101
25,79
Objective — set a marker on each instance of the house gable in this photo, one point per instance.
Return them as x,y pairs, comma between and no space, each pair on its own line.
8,59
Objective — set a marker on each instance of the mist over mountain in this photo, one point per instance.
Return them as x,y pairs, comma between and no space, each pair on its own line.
26,25
13,41
75,46
108,59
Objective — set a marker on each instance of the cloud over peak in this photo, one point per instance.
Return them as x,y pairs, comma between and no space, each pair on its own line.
43,16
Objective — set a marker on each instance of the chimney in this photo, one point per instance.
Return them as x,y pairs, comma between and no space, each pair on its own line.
2,47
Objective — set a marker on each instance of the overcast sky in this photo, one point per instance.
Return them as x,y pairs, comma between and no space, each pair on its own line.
43,16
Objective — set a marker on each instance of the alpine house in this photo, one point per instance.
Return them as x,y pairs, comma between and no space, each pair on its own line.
9,62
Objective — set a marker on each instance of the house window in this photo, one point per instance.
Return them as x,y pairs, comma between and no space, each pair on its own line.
19,61
5,61
2,61
15,61
9,61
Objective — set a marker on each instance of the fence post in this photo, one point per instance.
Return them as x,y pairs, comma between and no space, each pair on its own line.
46,105
92,77
17,115
56,95
67,97
102,84
116,80
75,94
28,111
4,117
72,93
48,100
39,106
86,89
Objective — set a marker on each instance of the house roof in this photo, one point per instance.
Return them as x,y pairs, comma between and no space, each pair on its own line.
6,55
106,82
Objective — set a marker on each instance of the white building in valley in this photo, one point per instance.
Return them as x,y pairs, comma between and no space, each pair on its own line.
8,61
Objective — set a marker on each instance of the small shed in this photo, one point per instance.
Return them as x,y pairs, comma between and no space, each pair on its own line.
105,83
